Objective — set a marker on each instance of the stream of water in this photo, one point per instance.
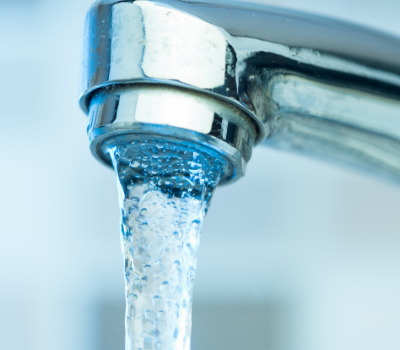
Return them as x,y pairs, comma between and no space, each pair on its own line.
165,189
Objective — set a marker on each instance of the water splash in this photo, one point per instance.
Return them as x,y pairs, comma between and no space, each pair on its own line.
165,190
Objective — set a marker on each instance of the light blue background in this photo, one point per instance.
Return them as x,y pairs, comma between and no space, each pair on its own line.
309,249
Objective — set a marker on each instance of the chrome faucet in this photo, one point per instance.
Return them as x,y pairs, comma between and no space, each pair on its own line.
230,75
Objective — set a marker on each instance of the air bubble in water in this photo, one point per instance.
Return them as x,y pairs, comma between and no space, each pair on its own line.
165,189
134,164
165,285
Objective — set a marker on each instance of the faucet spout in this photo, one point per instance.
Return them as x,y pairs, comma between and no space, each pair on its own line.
232,76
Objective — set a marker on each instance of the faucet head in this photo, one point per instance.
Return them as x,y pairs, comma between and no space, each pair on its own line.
227,77
161,112
155,71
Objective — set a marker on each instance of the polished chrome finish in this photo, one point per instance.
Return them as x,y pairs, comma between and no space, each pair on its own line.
158,111
296,81
330,122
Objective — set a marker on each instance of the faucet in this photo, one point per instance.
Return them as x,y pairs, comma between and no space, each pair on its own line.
227,76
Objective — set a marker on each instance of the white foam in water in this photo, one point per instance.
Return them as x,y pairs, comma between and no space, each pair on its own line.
165,189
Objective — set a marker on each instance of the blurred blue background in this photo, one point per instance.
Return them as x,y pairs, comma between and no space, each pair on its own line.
298,255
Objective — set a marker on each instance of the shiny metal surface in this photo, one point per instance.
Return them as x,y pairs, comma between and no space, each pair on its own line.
157,111
301,82
330,121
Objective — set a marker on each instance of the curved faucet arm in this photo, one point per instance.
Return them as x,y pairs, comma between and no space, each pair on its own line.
306,83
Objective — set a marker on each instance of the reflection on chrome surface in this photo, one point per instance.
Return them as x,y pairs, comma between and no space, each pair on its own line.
298,81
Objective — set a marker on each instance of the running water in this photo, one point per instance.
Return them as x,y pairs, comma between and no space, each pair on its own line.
165,189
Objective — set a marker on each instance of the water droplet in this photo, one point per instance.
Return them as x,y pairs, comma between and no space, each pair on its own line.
146,268
165,285
157,300
144,282
132,298
143,225
134,164
196,224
